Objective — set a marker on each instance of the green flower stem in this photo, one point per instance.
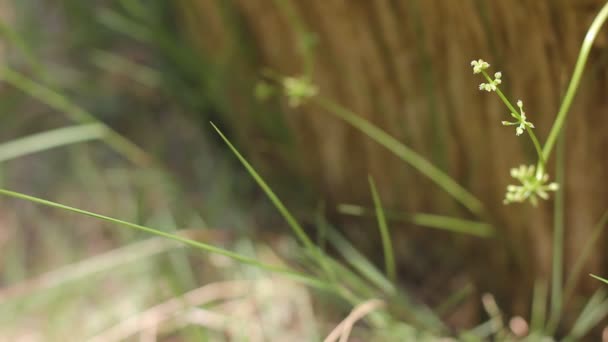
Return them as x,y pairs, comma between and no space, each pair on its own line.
537,147
576,80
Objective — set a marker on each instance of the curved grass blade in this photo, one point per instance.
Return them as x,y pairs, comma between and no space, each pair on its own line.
406,154
193,243
50,139
595,310
60,103
291,221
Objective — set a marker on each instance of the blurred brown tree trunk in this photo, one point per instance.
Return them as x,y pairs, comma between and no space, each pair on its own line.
404,65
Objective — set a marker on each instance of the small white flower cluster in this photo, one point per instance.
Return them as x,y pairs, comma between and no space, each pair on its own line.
479,66
521,120
298,89
533,185
491,86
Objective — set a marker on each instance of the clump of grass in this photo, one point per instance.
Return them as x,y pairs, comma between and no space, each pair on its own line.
374,295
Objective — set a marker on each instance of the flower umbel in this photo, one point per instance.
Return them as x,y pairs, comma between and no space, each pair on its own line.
298,89
533,185
521,120
479,66
491,86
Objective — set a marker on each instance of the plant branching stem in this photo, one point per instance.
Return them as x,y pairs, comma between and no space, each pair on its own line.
537,147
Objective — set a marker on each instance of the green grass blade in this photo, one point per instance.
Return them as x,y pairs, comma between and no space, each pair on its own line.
599,278
359,262
193,243
557,262
291,221
573,278
406,154
539,306
452,224
595,310
387,245
50,139
61,104
17,41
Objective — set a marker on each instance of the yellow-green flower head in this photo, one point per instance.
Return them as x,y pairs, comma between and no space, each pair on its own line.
298,89
533,185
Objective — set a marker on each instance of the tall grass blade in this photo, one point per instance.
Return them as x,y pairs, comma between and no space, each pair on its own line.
595,310
359,262
193,243
387,245
291,221
587,249
452,224
406,154
60,103
50,139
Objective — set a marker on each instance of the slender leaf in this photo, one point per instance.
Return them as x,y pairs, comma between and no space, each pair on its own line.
193,243
452,224
50,139
387,245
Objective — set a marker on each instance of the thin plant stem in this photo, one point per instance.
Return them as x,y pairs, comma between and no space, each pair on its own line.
573,86
557,262
537,147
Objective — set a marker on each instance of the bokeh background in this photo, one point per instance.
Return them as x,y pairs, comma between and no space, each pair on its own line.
138,82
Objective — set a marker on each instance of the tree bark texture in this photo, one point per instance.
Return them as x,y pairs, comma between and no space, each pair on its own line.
404,65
